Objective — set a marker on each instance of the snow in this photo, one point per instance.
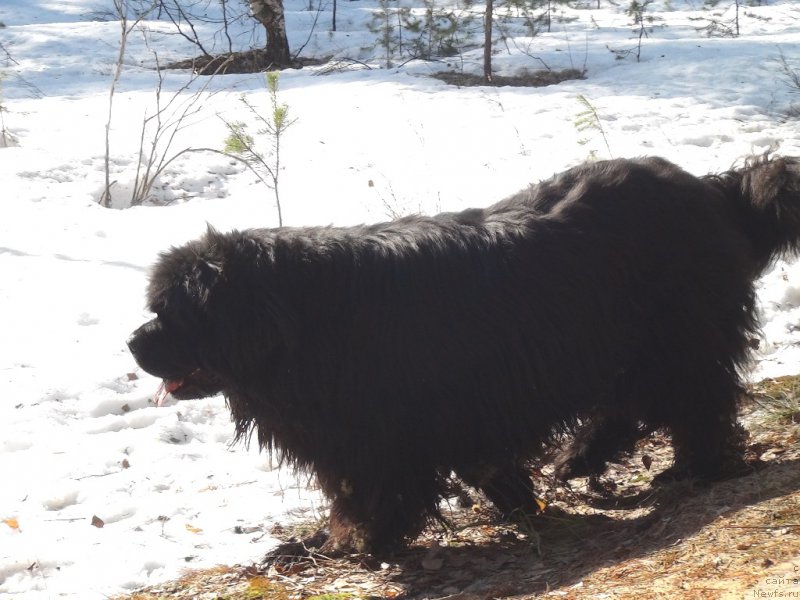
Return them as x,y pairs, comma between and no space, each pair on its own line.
79,437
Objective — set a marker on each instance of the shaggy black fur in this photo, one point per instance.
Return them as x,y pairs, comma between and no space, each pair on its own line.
384,357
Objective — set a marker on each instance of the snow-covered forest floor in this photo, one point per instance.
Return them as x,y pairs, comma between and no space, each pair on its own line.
103,493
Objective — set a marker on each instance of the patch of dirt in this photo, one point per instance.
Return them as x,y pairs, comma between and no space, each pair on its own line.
526,79
250,61
617,537
257,61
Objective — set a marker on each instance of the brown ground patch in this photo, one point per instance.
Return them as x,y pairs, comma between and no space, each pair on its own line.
250,61
615,538
256,61
526,79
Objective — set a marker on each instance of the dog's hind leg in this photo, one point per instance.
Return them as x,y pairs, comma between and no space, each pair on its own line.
707,440
602,438
509,487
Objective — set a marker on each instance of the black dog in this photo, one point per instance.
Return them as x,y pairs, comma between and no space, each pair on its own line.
382,358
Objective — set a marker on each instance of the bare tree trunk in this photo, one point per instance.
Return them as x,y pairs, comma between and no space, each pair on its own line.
270,14
487,41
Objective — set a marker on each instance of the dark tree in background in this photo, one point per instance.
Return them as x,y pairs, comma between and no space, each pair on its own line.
270,14
488,19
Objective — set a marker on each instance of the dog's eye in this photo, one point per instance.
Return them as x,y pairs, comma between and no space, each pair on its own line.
174,324
165,320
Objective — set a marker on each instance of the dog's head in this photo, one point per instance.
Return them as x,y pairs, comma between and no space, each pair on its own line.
221,319
174,346
767,190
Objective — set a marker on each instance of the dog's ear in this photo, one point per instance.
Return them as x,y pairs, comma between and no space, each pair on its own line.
206,267
184,276
201,279
213,236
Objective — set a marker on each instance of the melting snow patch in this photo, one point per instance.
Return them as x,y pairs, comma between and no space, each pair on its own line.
61,500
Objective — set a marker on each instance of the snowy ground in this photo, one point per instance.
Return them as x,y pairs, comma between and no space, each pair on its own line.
79,437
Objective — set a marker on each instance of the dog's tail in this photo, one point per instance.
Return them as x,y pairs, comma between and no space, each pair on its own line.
766,193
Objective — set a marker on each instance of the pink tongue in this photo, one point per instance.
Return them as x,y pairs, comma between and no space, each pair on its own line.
167,387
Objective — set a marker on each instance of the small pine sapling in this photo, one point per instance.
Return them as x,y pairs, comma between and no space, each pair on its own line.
642,24
641,21
717,26
437,30
388,24
241,144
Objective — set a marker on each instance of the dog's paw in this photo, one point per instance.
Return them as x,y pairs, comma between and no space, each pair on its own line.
296,555
572,462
